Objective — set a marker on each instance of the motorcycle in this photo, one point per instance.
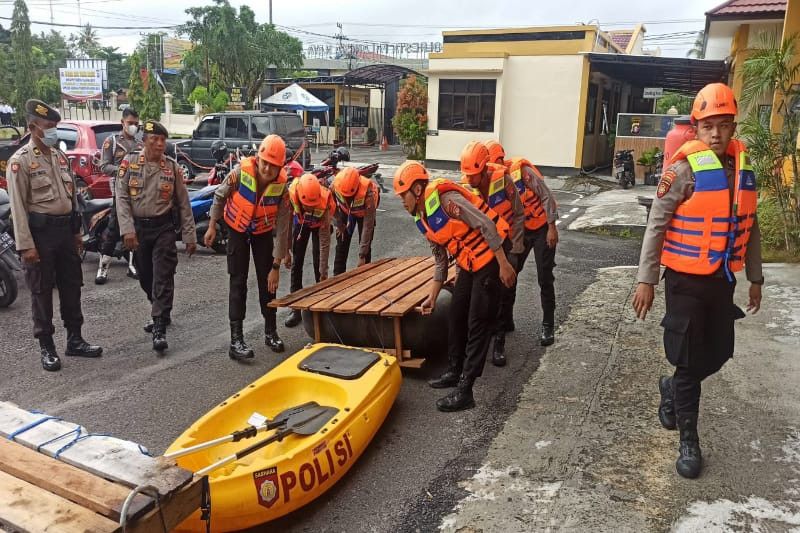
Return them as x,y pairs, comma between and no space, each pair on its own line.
9,263
95,215
652,178
624,168
201,201
330,165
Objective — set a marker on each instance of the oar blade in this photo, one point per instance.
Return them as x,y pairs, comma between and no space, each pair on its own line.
309,426
282,417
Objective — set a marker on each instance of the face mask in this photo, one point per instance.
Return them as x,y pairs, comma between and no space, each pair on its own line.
132,130
50,136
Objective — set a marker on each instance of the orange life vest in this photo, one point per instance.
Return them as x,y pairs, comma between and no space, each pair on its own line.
465,244
357,207
247,214
535,215
706,231
497,197
313,219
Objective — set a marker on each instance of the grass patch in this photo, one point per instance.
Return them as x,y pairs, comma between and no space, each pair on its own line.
772,255
621,232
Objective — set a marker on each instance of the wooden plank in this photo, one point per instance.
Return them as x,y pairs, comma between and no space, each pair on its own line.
115,459
302,293
372,288
317,330
409,301
323,294
377,305
398,337
411,363
28,508
73,484
331,302
175,508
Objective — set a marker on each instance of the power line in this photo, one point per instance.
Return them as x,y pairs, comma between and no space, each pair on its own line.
62,25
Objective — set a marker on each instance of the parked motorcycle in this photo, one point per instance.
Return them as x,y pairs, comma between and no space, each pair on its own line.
95,215
330,165
201,201
9,263
624,169
652,178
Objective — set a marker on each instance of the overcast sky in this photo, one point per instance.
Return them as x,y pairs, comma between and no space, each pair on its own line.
384,21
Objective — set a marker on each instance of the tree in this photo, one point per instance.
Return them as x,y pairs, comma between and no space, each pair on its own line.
85,43
240,50
22,58
773,67
681,102
697,48
145,98
411,118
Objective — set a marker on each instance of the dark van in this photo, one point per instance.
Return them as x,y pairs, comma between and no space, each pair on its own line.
239,129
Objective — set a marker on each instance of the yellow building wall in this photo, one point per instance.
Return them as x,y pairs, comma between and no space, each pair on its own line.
791,26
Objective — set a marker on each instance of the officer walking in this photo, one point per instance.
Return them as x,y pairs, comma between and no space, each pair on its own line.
541,236
47,229
458,222
115,148
357,199
703,229
254,202
495,187
313,208
150,191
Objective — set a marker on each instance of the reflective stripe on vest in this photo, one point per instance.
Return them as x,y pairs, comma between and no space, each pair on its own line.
246,215
312,219
466,245
535,215
707,232
357,207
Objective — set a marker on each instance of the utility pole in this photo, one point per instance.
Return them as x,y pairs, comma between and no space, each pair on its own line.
270,12
79,12
51,11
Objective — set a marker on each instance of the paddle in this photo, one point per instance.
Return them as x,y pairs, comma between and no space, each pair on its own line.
250,431
304,423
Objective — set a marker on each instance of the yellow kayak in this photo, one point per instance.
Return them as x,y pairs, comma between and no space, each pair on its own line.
358,388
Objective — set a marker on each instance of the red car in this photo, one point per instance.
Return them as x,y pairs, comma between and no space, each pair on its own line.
82,140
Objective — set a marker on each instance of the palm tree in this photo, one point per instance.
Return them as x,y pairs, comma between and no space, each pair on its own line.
85,42
697,48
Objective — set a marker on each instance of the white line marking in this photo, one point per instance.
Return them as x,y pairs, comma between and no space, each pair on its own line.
574,209
558,222
564,216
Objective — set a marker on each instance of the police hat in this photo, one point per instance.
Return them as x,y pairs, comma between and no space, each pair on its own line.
39,109
155,128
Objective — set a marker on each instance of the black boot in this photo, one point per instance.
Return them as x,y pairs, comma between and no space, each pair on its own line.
272,340
508,326
294,318
50,359
148,327
690,461
458,400
499,352
239,350
548,336
446,380
159,334
666,409
77,347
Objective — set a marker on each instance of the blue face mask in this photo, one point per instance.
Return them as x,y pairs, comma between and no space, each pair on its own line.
50,137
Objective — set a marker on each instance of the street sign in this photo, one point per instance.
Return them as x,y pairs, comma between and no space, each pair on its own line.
236,96
315,125
653,92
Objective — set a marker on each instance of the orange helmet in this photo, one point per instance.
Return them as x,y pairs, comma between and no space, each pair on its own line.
309,191
712,100
273,150
407,174
496,150
347,181
474,158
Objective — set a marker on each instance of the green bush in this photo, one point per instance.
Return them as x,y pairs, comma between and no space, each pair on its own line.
372,135
770,222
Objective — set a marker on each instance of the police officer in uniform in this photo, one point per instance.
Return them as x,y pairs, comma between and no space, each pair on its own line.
703,228
115,148
150,191
540,237
253,200
47,228
496,188
313,208
458,222
357,199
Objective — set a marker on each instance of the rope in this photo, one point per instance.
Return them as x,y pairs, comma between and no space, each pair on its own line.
334,328
142,489
31,425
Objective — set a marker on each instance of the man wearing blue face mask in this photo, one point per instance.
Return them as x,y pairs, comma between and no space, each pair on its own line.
47,228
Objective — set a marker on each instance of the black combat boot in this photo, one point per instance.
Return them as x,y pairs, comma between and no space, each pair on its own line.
77,347
50,359
499,352
666,408
458,400
294,318
690,461
508,326
159,334
239,349
446,380
272,340
148,327
548,336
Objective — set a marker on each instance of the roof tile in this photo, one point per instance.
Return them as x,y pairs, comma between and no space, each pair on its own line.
749,7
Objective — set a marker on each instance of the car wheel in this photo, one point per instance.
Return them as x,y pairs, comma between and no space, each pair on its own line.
186,168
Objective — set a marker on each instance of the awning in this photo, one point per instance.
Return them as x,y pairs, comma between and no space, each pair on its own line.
674,74
293,98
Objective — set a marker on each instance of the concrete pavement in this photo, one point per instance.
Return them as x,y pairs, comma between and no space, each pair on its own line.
584,450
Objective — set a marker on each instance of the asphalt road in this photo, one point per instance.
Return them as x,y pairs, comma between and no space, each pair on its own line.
407,479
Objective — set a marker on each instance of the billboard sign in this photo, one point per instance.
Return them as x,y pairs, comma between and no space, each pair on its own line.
81,84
